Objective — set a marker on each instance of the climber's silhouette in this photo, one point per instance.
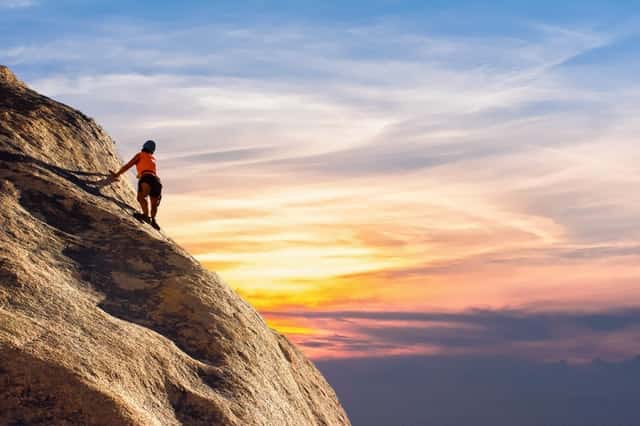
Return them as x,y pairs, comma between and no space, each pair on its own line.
149,184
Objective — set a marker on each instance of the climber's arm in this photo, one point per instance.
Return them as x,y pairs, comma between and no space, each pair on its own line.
126,167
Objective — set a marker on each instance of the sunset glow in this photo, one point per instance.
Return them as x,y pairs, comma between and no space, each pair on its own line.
389,166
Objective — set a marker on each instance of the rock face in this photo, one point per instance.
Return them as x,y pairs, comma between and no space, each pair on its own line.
107,322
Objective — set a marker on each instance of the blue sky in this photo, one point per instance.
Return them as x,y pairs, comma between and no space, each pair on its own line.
77,32
141,25
36,21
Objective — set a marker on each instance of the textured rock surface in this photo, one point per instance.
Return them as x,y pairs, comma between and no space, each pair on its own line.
104,321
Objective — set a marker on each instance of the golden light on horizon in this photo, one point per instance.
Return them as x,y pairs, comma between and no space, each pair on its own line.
405,250
317,246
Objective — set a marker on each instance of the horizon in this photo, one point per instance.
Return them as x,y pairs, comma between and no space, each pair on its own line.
381,180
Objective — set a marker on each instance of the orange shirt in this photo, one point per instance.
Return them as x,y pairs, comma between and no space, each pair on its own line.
146,164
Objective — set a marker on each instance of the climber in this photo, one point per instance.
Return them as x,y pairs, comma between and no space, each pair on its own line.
149,184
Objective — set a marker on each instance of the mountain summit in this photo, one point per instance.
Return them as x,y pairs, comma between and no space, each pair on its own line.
104,321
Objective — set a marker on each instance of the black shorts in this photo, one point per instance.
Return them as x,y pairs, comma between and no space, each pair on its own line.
154,182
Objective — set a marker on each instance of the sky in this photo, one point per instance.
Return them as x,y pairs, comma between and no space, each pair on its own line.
386,180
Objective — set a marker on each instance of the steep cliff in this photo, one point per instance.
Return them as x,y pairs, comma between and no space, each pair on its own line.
104,321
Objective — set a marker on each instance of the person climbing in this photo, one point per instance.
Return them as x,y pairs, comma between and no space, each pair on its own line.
149,184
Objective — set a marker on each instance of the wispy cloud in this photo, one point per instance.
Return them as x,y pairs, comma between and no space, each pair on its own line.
552,336
17,4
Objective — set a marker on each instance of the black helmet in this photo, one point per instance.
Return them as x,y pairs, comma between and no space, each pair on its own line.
149,146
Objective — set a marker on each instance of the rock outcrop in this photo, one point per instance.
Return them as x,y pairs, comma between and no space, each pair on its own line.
107,322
